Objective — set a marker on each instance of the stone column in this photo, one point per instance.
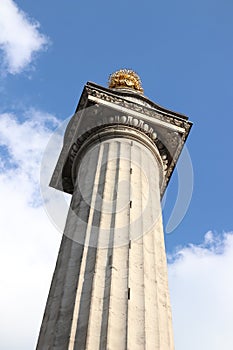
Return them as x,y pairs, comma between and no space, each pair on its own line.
110,289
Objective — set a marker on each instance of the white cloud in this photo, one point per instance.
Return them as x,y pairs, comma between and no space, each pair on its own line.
200,276
20,38
29,243
201,283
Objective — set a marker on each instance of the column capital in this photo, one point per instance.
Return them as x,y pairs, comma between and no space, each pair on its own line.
111,131
100,106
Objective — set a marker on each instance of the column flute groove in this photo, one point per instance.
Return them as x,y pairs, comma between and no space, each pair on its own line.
104,248
117,320
89,256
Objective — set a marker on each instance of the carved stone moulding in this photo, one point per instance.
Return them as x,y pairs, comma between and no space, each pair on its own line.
101,107
118,122
107,132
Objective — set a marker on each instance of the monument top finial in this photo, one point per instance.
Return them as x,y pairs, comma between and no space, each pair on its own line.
125,79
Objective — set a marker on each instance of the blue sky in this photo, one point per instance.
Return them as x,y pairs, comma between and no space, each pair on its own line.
183,52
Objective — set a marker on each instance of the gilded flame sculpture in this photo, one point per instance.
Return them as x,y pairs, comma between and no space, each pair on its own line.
125,78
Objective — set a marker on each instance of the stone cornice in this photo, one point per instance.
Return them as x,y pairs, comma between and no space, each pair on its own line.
126,96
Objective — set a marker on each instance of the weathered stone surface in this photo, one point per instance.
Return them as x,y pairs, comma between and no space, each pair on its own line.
110,289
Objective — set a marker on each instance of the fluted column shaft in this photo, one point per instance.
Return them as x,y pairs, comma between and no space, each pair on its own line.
109,289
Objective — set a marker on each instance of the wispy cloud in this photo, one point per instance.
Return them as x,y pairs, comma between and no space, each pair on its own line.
201,283
24,142
29,242
20,38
